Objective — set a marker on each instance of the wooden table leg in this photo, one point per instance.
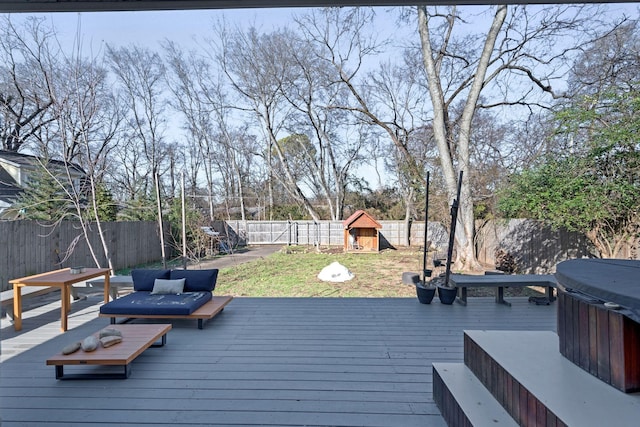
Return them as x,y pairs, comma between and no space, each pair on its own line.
17,307
107,284
71,293
66,307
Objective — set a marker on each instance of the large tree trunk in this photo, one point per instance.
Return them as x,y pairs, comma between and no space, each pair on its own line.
466,257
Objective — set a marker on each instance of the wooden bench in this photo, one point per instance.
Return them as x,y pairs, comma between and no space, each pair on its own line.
27,292
206,312
501,281
115,283
135,340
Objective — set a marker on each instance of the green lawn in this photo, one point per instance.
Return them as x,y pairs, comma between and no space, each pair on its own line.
293,272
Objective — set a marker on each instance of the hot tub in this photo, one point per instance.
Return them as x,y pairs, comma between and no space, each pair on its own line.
599,318
606,280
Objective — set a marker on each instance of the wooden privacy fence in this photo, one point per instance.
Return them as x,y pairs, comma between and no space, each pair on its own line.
28,248
535,247
329,233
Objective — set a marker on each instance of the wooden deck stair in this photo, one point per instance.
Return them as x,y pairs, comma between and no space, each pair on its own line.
463,399
529,379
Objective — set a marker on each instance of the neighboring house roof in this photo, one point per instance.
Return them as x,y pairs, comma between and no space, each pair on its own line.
9,187
20,159
361,219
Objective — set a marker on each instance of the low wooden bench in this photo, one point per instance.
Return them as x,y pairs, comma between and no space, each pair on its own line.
115,283
6,297
501,281
206,312
135,340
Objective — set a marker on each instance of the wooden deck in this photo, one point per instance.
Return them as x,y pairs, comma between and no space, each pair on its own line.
262,362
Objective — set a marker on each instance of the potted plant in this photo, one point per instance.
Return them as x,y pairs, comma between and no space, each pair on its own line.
447,293
425,290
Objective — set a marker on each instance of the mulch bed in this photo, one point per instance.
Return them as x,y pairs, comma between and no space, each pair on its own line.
531,291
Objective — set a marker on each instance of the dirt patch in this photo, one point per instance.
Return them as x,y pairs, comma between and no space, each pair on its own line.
531,291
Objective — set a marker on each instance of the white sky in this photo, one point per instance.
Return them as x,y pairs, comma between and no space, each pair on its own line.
149,28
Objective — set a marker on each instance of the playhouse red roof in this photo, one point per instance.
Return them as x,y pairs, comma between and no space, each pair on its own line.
361,219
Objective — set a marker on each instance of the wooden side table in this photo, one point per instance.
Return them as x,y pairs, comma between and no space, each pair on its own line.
62,279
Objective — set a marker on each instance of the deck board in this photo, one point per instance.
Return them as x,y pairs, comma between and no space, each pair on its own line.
261,362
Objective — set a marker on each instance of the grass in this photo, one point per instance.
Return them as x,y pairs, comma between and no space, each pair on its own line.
292,272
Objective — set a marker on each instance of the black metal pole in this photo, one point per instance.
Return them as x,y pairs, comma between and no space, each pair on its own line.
426,226
452,234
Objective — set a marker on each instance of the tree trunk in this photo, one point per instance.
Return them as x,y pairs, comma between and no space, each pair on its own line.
407,218
466,256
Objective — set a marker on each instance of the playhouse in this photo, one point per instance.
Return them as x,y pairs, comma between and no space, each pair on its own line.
361,233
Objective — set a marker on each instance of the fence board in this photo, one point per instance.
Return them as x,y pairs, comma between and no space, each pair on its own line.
29,248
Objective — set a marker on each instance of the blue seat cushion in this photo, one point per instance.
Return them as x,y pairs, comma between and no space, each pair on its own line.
196,280
143,303
143,279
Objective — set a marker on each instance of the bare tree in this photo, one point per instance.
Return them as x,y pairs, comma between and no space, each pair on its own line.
513,64
222,147
400,104
257,67
327,141
87,123
80,137
188,79
28,64
390,98
139,73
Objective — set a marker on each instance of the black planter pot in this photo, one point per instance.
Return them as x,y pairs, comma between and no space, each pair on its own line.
425,293
447,294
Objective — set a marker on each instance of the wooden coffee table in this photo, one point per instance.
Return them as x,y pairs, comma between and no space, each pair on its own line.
135,340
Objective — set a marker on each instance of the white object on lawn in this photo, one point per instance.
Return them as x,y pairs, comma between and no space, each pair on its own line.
335,272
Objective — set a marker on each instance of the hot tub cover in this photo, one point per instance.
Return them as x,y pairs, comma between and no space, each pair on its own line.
609,280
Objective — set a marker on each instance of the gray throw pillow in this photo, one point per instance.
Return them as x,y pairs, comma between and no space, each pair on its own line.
166,286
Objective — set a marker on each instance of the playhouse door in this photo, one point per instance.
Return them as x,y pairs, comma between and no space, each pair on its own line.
367,239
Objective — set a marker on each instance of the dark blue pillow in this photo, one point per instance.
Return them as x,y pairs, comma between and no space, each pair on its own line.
197,280
144,279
